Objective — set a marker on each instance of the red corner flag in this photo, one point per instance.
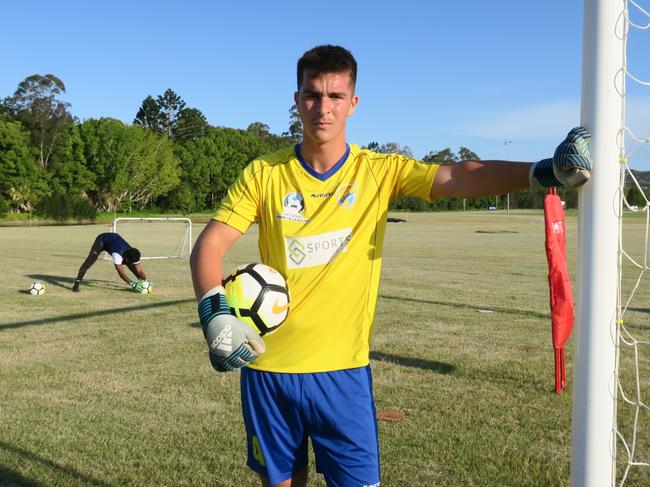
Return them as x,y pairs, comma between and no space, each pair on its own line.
559,283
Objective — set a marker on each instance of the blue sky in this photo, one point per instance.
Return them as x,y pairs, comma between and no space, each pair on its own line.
431,74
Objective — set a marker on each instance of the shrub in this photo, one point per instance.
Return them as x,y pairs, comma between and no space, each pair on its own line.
65,206
4,207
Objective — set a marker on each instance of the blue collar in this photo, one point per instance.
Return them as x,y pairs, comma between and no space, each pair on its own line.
327,174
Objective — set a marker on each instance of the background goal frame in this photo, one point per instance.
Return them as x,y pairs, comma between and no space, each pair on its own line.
183,249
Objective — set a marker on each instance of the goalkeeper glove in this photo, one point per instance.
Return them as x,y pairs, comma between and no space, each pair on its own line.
232,343
136,286
570,166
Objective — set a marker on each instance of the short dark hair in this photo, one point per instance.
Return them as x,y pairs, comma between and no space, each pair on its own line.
327,59
132,256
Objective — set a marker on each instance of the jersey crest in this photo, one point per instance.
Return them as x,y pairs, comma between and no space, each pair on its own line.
346,195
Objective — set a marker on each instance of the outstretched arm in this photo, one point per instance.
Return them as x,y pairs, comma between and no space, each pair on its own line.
122,273
137,271
570,166
471,179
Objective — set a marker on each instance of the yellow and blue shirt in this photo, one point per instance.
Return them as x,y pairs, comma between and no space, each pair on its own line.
325,234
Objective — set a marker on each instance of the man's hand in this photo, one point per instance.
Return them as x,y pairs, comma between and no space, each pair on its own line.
570,165
136,286
232,343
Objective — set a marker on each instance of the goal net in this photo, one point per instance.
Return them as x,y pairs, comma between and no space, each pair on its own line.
156,238
611,413
632,425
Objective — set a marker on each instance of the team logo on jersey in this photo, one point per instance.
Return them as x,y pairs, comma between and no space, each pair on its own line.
346,195
293,206
316,250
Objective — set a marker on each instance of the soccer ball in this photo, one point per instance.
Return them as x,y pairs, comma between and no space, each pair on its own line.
258,295
36,289
146,287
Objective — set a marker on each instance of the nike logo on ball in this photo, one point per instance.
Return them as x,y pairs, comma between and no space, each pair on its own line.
277,308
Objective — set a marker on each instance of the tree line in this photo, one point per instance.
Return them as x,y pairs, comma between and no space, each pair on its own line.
168,159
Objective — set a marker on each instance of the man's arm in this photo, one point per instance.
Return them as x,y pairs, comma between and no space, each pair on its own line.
570,166
122,273
139,273
207,256
232,344
471,179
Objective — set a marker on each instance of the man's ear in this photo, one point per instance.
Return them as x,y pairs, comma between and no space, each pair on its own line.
353,104
296,96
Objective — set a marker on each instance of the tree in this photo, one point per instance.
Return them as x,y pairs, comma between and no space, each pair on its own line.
259,129
190,124
68,172
635,197
22,182
170,106
373,146
445,156
168,115
294,134
464,154
212,162
148,115
36,104
132,165
390,148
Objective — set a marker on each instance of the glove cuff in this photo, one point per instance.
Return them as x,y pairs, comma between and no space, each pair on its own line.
542,174
213,291
213,303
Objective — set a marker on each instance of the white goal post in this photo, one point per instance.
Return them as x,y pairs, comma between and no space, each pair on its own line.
179,239
595,344
605,441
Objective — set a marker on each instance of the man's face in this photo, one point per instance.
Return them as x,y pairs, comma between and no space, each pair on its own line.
324,102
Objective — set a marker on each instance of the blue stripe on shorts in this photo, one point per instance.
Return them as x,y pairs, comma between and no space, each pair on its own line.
335,409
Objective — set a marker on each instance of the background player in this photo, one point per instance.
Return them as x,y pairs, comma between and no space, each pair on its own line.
321,208
122,254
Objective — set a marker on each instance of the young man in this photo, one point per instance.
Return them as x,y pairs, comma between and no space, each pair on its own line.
321,208
123,255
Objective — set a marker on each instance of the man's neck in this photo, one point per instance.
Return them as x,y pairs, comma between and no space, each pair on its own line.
322,157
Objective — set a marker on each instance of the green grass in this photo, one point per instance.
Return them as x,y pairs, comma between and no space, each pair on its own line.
109,388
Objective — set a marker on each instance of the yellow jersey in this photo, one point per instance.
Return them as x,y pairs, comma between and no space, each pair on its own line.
325,234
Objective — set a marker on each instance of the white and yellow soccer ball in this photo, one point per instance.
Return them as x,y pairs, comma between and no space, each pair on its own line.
146,287
258,295
37,288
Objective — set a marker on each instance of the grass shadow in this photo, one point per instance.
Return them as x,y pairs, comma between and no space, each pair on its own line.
10,477
440,367
64,282
639,310
91,314
521,312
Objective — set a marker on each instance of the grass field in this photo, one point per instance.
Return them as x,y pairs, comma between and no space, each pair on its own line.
109,388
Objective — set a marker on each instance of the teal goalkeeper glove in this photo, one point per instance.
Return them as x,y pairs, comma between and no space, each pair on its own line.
232,343
570,166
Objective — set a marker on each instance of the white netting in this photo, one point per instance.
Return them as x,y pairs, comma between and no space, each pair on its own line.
156,238
633,341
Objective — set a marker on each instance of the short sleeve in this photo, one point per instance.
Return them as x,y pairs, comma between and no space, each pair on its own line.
240,207
415,178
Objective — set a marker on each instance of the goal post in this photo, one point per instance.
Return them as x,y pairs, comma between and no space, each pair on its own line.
157,238
594,397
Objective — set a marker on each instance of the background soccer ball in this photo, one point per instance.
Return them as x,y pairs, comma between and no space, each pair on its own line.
36,289
259,296
146,286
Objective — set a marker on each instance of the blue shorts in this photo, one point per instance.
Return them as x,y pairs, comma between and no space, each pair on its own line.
335,409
